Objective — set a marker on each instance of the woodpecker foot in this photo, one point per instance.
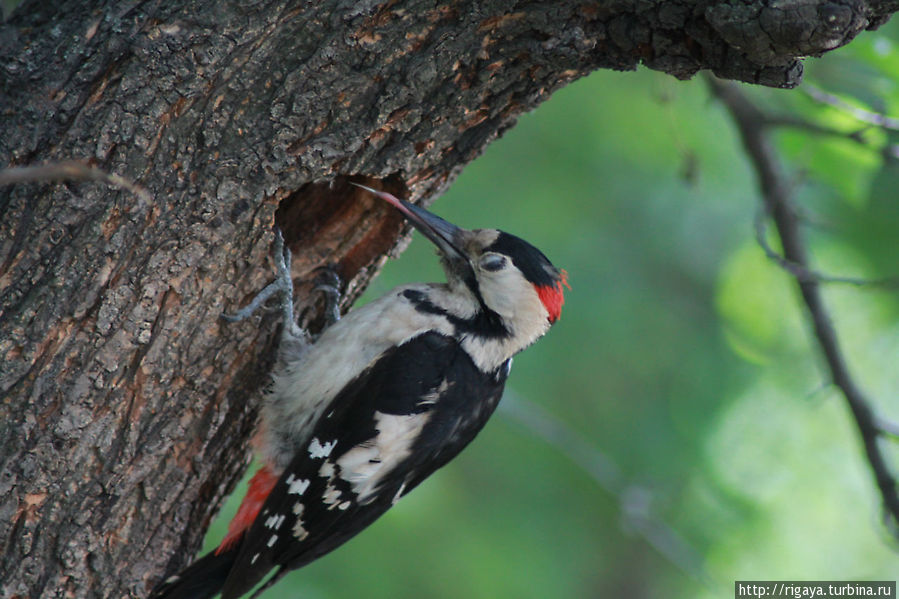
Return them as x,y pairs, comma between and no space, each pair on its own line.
328,284
283,284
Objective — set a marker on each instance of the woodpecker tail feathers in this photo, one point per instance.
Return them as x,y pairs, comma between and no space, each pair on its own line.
201,580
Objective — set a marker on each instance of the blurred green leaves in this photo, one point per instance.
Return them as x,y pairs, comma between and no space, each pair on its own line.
757,303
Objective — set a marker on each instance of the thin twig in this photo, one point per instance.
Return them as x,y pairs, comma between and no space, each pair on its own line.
804,274
794,122
888,427
634,501
69,170
776,197
865,116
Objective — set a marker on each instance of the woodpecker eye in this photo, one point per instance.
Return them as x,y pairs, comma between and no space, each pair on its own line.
493,262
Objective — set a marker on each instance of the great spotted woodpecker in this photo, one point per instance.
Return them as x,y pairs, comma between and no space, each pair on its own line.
384,397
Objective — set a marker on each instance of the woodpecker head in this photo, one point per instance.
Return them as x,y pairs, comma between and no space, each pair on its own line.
509,277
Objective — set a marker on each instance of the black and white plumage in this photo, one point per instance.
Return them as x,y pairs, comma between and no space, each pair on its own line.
386,396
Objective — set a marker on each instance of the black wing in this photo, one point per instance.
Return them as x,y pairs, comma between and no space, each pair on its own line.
403,418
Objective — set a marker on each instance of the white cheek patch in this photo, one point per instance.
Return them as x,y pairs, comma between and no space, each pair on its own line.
512,296
523,314
366,465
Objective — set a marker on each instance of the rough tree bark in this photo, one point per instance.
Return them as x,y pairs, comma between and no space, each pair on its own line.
126,402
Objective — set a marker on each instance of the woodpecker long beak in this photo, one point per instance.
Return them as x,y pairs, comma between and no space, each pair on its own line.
445,235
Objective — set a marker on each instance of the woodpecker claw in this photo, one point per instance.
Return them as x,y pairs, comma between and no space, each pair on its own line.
329,286
283,284
262,297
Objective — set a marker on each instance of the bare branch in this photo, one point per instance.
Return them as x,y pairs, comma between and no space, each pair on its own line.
70,170
794,122
776,196
887,427
865,116
804,274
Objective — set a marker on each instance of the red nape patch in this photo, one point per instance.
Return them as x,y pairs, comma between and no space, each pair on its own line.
260,486
553,297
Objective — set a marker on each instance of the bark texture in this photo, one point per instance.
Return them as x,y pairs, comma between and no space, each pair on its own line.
126,402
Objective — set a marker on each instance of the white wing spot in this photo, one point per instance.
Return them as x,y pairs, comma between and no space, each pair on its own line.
298,487
275,521
318,450
299,531
298,508
332,494
255,557
344,505
398,494
272,540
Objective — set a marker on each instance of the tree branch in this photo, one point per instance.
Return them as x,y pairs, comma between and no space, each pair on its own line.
70,170
775,190
860,114
804,274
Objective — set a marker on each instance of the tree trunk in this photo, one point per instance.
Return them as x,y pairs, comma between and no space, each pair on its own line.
126,401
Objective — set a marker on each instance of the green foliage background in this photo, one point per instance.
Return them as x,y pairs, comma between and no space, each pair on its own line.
683,358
